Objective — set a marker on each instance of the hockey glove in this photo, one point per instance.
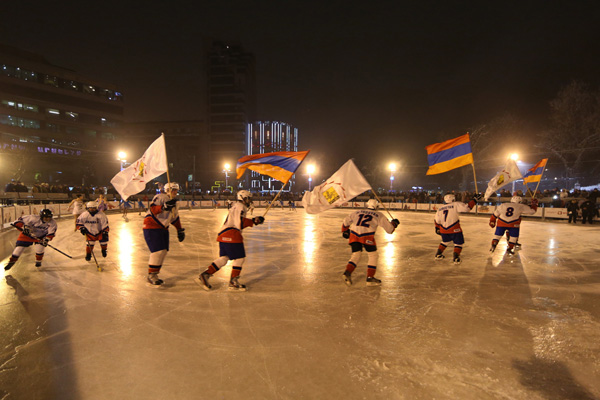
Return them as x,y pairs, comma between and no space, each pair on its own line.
437,231
105,236
44,242
26,230
492,224
478,197
395,222
346,234
534,203
258,220
181,234
169,205
84,231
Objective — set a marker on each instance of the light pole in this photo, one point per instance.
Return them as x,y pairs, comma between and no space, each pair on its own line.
515,158
121,156
392,167
311,170
226,170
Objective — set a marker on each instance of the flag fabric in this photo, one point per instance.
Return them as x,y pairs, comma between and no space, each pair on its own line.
448,155
133,179
280,165
507,175
535,173
344,185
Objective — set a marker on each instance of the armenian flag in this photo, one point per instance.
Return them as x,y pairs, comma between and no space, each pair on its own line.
448,155
534,174
279,165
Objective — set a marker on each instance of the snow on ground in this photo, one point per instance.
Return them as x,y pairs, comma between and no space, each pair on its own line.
526,327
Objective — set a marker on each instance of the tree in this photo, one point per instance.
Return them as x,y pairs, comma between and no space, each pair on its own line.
574,133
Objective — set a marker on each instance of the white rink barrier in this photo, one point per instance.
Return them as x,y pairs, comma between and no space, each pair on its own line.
10,214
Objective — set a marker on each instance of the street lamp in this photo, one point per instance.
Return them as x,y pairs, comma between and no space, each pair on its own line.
311,170
122,157
392,167
226,167
515,158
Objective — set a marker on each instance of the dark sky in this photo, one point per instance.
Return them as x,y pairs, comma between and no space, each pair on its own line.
376,80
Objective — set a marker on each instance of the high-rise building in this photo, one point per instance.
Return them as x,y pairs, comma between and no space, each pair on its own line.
267,137
55,125
231,102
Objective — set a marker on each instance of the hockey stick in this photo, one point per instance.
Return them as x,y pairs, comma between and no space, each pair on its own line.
93,255
47,244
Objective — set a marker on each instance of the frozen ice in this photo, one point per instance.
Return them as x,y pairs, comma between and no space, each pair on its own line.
493,327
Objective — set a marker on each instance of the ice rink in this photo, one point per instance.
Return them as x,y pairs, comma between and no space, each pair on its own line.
493,327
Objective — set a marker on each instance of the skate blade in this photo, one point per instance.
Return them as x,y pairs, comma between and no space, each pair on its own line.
236,289
373,283
198,281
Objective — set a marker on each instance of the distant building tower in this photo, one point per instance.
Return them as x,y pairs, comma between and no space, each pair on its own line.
267,137
231,103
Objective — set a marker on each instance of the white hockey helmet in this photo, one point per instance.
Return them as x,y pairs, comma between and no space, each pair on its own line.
372,204
516,199
91,204
171,186
244,194
449,198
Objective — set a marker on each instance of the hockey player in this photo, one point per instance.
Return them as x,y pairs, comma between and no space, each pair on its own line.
36,230
93,224
77,207
163,212
231,242
507,217
359,228
447,225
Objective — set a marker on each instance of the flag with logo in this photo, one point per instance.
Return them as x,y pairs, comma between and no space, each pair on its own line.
133,179
280,165
344,185
448,155
508,174
534,174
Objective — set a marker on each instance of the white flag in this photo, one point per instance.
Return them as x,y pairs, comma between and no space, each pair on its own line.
133,179
341,187
507,175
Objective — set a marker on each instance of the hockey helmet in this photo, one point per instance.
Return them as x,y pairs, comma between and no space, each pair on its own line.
171,186
449,198
46,213
372,204
516,199
91,204
244,195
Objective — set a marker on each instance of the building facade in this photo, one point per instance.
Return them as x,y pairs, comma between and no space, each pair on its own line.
231,90
187,150
55,125
267,137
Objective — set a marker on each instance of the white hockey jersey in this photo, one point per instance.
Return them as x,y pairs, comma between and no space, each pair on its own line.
37,228
231,231
447,219
95,224
363,224
509,214
159,218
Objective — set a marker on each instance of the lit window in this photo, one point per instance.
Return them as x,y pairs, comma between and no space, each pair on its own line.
53,111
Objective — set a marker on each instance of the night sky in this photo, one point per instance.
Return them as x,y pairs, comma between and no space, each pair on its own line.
372,80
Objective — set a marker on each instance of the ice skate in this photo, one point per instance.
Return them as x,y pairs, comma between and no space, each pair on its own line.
38,264
518,246
9,265
347,278
153,279
104,253
493,248
456,259
235,285
203,278
510,252
88,256
439,256
372,281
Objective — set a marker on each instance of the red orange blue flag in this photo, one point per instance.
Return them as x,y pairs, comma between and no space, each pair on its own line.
280,165
448,155
534,174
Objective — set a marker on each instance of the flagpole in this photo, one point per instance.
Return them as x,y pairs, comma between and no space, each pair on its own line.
538,185
162,134
475,178
384,207
275,198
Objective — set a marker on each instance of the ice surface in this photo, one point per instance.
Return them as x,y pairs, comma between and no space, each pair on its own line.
489,328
